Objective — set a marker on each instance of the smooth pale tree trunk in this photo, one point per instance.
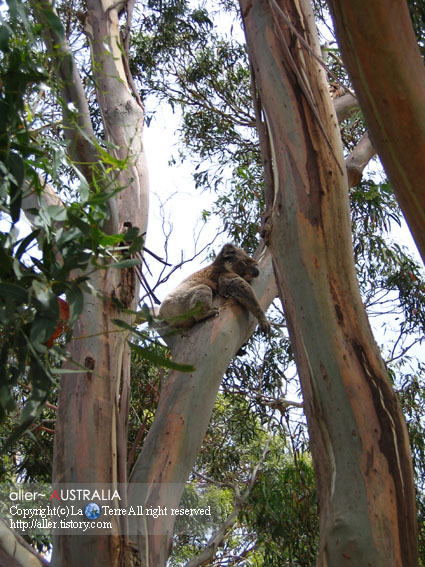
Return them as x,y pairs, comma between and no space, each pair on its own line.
382,57
91,426
358,436
184,411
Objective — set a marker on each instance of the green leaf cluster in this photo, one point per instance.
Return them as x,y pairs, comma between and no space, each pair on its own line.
282,509
44,259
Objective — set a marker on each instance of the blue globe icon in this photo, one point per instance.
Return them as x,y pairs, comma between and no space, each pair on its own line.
92,511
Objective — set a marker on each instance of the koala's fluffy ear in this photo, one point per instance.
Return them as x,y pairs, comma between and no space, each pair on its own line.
228,251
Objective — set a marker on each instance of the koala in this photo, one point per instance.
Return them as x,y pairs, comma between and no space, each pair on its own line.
228,275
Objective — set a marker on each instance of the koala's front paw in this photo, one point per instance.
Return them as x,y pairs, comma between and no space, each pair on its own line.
265,326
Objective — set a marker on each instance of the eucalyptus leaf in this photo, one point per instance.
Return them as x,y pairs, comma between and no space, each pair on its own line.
56,212
43,293
13,291
111,239
155,358
127,263
75,300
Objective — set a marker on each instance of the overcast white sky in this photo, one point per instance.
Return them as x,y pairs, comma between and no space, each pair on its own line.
183,204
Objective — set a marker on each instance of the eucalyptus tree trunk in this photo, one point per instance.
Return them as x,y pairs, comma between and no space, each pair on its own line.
381,53
358,436
91,426
184,412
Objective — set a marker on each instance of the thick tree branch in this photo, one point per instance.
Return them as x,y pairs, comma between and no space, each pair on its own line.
358,160
358,437
78,127
15,551
98,399
345,105
184,410
122,116
355,163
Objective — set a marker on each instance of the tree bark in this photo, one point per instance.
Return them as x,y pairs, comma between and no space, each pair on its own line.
184,411
358,436
380,51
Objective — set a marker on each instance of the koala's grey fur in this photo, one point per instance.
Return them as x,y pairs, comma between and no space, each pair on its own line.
228,275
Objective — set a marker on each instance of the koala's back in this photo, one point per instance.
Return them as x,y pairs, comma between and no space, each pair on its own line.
198,288
206,276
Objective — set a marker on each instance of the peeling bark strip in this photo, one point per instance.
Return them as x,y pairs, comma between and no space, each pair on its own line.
358,436
127,286
392,429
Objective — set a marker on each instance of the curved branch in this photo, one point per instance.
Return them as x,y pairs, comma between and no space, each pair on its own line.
358,160
15,551
380,51
78,128
184,410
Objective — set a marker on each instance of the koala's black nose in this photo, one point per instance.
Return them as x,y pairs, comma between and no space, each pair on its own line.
255,271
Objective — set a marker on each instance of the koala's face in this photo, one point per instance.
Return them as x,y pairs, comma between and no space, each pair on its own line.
238,261
251,271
